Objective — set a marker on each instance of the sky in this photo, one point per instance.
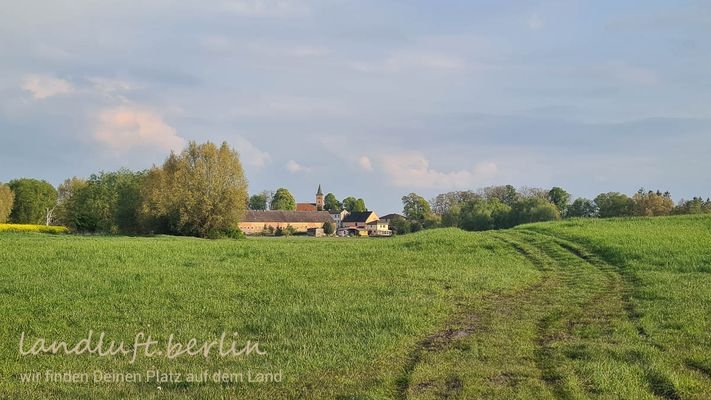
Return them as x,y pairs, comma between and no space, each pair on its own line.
369,98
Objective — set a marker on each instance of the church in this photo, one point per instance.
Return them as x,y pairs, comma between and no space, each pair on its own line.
305,217
317,206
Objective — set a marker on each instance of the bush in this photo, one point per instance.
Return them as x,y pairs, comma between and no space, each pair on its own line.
329,228
229,233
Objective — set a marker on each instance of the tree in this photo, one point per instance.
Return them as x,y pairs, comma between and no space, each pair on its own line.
415,207
505,194
582,208
283,200
400,226
480,214
67,195
697,205
533,209
258,201
329,228
331,203
349,203
650,204
444,202
360,206
34,203
559,198
614,204
201,191
7,198
108,202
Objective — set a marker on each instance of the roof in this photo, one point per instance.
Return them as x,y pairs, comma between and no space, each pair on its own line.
306,207
392,216
319,191
358,216
287,216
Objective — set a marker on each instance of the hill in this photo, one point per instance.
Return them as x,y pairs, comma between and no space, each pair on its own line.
574,309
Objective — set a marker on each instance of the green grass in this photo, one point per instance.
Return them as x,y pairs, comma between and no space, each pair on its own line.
577,309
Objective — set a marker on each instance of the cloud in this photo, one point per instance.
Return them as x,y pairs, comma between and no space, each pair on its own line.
535,22
43,86
268,8
250,154
295,168
412,169
124,128
365,163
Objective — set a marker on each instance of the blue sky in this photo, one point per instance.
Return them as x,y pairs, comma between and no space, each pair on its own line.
374,99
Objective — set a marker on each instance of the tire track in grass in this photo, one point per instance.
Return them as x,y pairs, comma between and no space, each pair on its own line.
659,384
463,325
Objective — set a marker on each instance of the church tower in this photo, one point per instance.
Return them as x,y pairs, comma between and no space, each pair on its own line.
319,199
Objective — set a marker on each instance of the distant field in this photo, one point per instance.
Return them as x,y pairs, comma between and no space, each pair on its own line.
575,309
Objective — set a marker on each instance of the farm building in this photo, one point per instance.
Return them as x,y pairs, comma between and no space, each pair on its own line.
366,223
254,222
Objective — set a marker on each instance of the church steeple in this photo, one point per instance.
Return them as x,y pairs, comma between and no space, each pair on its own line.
320,203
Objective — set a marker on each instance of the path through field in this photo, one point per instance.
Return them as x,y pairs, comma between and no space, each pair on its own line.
574,334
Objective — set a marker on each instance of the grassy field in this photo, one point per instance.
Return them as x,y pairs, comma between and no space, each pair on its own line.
575,309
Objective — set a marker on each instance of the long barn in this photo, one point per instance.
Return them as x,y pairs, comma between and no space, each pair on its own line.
254,222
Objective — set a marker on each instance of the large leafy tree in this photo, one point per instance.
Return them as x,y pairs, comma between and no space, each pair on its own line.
415,207
582,208
68,195
283,200
506,194
34,203
614,204
201,191
560,198
108,202
649,204
7,198
331,203
349,203
360,206
258,201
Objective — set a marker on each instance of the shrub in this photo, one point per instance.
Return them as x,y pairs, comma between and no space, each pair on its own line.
329,228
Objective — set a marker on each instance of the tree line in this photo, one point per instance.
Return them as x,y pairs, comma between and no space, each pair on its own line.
201,192
500,207
282,199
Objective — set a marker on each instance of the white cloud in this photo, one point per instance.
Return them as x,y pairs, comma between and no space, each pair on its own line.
112,88
268,8
365,163
250,154
295,168
535,22
412,169
43,86
124,128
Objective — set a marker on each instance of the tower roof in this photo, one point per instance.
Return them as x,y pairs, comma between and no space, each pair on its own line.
319,193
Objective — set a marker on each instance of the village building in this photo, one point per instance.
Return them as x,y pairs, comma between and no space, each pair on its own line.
365,223
338,217
255,222
390,218
317,206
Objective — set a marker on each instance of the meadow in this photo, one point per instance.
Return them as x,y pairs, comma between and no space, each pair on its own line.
573,309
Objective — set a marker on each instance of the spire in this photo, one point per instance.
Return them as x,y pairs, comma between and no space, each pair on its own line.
319,193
